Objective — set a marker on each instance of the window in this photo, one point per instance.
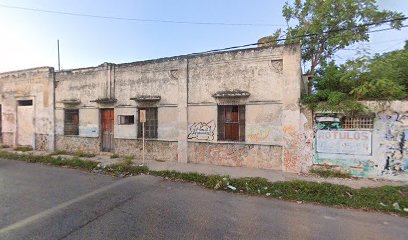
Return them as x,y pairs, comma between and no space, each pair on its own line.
25,102
150,124
231,123
126,119
358,122
71,122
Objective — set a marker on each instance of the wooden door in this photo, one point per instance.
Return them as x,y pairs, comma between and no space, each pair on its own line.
107,119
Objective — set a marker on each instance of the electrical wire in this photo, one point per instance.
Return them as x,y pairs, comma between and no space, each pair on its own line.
306,35
138,19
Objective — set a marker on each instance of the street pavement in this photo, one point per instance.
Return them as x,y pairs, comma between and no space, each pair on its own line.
43,202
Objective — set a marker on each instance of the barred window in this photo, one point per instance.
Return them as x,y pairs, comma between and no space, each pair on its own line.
231,123
71,122
150,124
358,122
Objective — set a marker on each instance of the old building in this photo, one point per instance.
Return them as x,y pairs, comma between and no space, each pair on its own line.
236,108
27,108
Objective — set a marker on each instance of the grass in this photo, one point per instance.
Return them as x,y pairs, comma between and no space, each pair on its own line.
379,199
128,158
24,148
59,152
329,173
84,154
115,155
4,146
74,162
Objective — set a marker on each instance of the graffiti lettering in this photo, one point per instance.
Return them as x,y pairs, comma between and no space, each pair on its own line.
202,131
344,141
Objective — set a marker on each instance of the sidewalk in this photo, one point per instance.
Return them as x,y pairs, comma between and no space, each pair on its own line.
234,172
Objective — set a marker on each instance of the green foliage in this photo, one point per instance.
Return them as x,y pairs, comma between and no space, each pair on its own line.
339,88
330,173
318,17
83,154
115,155
56,161
24,148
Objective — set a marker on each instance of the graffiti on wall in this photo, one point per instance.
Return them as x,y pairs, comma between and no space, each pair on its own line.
394,141
343,142
259,134
327,122
202,131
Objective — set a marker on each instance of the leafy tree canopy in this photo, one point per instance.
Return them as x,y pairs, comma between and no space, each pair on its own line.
339,87
334,25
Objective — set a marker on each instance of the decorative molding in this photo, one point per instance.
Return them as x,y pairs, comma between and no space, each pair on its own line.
231,94
70,101
276,66
146,98
105,100
174,74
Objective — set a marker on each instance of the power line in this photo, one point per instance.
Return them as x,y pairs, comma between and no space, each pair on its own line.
312,34
138,19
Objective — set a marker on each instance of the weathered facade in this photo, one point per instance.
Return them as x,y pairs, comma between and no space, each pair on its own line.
27,108
188,93
369,145
237,108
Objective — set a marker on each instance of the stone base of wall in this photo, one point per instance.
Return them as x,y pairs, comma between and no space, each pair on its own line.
236,155
154,150
8,138
41,142
76,143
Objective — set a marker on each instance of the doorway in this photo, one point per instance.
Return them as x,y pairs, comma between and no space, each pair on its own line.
25,126
107,120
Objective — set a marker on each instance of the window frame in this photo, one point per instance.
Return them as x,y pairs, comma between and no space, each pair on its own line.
122,117
358,122
151,124
75,125
223,121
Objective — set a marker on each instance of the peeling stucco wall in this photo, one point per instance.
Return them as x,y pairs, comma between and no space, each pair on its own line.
186,92
32,84
381,152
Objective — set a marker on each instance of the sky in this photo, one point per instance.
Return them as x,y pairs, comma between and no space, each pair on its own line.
29,39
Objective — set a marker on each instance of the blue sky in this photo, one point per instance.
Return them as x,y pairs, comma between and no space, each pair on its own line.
28,39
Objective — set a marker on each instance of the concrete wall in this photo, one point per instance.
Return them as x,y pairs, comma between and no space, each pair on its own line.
272,77
381,152
186,92
31,84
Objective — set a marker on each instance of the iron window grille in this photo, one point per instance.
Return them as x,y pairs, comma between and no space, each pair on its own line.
71,122
358,122
231,123
150,124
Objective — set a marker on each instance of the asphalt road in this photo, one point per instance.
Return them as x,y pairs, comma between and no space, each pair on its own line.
42,202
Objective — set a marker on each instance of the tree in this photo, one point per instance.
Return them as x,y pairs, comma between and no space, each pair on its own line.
338,88
331,25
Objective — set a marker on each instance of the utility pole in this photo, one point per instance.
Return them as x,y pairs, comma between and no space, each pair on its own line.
59,64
